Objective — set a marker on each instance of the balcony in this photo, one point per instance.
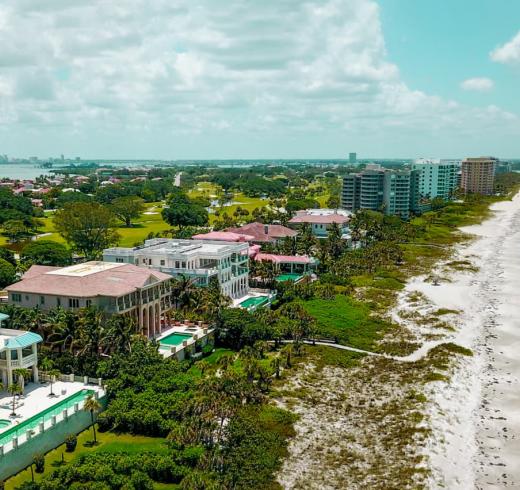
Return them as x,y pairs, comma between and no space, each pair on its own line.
16,363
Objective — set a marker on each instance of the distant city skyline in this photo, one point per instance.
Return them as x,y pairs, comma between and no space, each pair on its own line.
291,80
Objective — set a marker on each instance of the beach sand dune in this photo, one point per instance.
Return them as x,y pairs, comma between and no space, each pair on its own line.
476,416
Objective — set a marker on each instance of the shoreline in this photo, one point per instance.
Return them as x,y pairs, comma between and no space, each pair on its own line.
473,416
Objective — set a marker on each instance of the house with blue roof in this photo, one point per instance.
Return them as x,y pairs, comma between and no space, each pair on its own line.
18,349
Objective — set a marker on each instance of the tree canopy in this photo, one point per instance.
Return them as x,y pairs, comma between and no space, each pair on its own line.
183,211
127,208
87,227
7,273
46,252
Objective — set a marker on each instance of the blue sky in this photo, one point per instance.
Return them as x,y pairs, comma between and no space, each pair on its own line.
436,44
270,79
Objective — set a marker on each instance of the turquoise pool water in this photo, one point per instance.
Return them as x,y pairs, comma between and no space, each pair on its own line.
289,277
175,338
43,416
255,301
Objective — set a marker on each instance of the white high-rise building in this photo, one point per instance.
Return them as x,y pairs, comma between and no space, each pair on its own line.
437,177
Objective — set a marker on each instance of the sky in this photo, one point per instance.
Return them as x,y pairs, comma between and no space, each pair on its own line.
259,79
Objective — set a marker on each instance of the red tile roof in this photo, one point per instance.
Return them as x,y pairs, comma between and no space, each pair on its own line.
113,281
227,236
283,259
258,231
324,219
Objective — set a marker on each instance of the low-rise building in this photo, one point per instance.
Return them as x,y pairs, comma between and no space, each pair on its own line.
199,260
18,349
263,233
321,221
289,267
122,289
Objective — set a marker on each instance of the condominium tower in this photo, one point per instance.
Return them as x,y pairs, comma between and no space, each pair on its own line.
393,192
437,178
478,175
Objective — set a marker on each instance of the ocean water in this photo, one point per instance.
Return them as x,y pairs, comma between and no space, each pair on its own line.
22,171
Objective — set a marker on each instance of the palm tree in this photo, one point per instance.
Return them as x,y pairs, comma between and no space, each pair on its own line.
203,366
64,334
15,390
288,352
276,364
92,328
47,365
93,406
225,362
119,335
21,374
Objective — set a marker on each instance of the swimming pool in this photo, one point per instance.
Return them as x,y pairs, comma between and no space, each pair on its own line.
175,338
4,423
289,277
43,416
254,302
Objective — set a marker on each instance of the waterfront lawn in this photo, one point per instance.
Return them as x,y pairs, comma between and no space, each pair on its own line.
349,321
107,442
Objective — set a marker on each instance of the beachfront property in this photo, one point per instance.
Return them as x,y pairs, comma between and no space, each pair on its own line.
199,260
186,339
261,233
115,288
478,175
438,178
40,422
393,192
289,267
321,220
18,349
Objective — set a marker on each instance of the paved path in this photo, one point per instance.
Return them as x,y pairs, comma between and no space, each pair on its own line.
413,357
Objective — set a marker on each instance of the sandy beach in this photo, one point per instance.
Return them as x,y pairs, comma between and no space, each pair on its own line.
475,418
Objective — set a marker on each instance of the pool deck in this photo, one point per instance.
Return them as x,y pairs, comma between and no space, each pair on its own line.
36,399
196,331
238,303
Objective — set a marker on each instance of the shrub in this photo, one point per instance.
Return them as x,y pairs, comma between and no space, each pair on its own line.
39,463
71,441
207,350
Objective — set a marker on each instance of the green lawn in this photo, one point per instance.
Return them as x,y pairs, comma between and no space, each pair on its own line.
142,226
213,358
348,320
107,442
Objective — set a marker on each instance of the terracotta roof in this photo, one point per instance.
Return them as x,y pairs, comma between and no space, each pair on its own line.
87,280
324,217
258,231
227,236
283,259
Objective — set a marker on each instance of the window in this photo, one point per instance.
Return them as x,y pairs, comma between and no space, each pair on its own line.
73,303
88,302
58,301
16,297
119,260
42,300
163,262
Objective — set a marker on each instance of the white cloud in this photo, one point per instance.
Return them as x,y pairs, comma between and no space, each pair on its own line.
92,73
509,52
477,84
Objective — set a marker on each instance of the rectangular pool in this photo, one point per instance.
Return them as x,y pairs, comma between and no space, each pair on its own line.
175,338
43,416
254,301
